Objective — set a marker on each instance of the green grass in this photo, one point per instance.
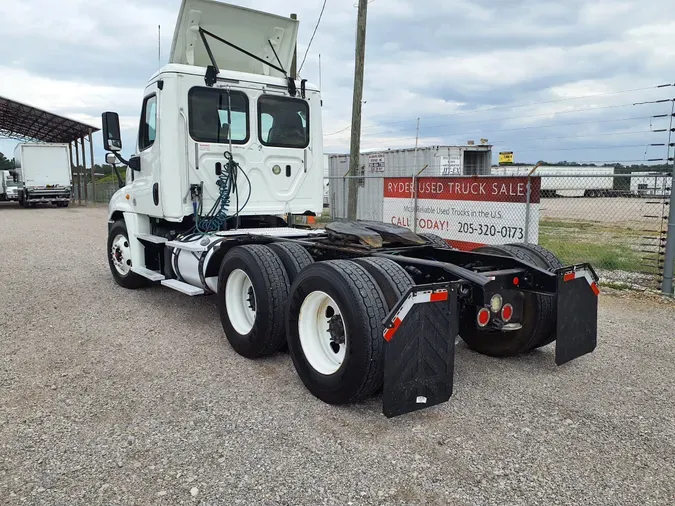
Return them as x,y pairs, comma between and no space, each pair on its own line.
604,247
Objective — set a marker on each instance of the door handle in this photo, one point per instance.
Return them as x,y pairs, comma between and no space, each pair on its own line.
155,193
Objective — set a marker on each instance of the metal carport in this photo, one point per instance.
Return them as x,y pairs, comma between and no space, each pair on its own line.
26,123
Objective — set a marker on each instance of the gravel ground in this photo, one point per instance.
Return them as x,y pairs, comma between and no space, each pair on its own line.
111,396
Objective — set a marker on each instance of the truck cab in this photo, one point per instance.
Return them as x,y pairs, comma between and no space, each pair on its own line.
250,114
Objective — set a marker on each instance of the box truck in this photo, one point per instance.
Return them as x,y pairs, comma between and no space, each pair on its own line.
44,174
229,148
8,187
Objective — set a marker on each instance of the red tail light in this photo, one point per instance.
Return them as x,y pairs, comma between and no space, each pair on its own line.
483,317
507,312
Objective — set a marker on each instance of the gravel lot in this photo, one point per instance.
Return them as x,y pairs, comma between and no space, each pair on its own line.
134,397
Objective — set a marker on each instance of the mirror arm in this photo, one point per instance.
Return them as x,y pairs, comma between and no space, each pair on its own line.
133,163
120,181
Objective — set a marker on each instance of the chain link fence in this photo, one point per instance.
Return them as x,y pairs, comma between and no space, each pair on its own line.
104,191
616,222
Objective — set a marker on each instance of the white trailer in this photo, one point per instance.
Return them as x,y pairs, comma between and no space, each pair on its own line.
44,173
564,180
651,184
225,157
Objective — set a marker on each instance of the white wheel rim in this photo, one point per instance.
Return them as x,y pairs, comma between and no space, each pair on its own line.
240,301
121,254
325,351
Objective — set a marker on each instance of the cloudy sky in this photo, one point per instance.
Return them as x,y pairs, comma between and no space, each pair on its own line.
553,80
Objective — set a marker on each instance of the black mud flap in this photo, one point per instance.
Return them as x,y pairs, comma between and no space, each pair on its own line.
419,349
577,326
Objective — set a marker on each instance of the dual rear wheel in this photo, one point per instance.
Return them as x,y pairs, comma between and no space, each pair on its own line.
328,313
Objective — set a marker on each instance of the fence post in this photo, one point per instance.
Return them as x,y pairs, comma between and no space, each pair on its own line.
344,197
415,197
527,204
669,267
527,210
414,210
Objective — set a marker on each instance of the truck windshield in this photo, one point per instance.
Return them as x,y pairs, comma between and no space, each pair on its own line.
283,122
215,115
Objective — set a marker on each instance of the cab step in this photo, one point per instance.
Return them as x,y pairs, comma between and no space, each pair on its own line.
181,287
147,273
155,239
187,246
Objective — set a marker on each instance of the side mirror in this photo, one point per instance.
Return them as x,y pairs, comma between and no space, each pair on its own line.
112,139
110,159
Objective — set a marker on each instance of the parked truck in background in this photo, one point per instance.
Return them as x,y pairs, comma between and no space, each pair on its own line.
8,187
230,147
44,174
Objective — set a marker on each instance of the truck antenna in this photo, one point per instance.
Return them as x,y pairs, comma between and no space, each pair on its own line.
159,45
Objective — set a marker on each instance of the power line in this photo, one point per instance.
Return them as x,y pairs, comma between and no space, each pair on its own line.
457,134
511,118
313,34
529,104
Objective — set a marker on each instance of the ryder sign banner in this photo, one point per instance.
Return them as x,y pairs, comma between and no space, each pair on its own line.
467,212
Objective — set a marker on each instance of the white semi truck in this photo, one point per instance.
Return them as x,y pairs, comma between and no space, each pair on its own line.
44,174
229,149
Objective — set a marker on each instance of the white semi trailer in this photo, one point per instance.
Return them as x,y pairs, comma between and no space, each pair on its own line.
566,181
44,174
225,156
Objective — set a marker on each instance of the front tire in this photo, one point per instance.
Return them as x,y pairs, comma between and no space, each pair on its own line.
334,329
119,258
252,295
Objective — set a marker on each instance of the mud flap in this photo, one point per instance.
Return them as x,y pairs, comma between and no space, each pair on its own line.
577,325
419,349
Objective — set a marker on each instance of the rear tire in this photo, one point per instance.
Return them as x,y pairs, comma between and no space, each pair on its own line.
547,260
337,307
119,258
538,318
436,240
294,257
392,279
252,294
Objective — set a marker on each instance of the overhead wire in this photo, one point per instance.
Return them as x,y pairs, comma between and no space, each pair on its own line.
513,106
457,134
509,118
312,38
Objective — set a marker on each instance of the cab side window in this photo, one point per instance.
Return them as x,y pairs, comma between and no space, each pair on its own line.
148,129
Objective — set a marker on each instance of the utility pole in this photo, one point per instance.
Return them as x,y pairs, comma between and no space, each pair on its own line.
355,148
669,266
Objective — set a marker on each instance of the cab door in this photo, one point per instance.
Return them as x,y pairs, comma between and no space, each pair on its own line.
145,191
284,133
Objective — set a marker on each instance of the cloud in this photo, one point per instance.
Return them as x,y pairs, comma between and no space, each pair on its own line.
511,71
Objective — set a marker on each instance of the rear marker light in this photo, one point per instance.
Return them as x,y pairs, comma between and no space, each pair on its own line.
483,317
507,312
516,281
496,303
